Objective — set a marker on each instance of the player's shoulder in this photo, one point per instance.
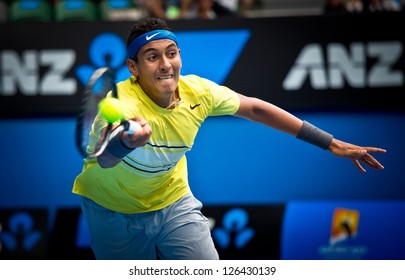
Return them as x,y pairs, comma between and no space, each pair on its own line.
190,78
196,82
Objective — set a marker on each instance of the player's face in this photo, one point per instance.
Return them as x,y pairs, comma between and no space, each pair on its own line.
158,68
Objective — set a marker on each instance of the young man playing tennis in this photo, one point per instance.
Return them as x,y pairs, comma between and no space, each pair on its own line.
135,197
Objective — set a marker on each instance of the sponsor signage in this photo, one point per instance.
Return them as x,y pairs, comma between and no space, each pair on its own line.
321,62
23,234
246,232
239,232
343,230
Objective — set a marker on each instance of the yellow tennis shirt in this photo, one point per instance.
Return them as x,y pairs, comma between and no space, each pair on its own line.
155,175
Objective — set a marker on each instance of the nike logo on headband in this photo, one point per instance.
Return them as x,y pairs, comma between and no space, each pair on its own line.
151,36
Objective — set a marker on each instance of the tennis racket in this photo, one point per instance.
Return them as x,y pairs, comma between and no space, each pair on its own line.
101,82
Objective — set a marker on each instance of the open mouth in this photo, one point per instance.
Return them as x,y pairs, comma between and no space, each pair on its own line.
165,77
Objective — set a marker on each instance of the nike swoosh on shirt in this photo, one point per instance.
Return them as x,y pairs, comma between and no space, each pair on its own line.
193,107
151,36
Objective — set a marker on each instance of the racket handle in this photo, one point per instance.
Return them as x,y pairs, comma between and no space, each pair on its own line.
131,127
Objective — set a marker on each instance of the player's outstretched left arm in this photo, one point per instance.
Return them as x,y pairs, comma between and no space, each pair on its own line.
268,114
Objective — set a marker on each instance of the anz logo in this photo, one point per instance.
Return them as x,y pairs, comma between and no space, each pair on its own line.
21,235
234,232
334,66
107,49
20,72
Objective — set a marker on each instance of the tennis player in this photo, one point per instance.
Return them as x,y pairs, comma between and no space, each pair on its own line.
135,196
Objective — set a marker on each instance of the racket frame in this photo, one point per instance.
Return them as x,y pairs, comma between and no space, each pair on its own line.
88,99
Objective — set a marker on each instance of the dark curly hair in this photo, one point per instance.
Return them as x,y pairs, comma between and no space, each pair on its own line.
145,25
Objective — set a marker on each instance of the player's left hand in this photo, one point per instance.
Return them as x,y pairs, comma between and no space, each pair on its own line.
357,154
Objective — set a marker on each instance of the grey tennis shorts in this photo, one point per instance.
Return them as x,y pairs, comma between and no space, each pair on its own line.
177,232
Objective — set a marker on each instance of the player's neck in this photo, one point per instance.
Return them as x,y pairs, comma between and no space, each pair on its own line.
173,100
167,101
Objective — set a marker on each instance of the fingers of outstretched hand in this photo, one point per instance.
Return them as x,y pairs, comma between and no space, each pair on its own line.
374,150
357,154
358,165
371,161
367,159
364,152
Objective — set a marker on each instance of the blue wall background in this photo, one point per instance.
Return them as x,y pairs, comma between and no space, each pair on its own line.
233,161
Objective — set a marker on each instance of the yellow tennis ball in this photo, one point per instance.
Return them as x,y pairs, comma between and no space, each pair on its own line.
110,109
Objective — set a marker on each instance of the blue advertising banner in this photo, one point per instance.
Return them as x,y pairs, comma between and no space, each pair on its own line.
341,230
307,63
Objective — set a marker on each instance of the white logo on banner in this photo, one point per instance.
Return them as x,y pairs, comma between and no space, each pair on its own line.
331,68
21,72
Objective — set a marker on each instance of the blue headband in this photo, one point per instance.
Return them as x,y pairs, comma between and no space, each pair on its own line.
145,38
